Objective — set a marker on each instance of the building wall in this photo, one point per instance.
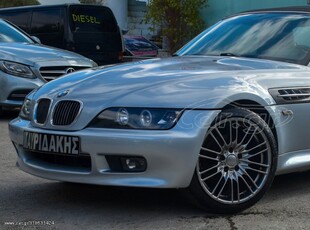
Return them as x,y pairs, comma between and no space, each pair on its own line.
137,10
120,10
130,16
218,9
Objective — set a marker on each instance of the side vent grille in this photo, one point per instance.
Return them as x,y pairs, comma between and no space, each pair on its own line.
291,95
294,94
66,112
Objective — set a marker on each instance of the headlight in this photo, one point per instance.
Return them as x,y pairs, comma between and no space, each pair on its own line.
16,69
137,118
26,110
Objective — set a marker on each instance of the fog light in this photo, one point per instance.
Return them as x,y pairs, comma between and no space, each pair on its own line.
133,164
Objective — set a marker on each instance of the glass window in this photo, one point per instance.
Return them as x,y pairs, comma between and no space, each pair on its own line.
302,35
275,36
92,19
19,18
9,33
46,21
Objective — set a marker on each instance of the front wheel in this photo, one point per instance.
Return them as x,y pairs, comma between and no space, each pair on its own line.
236,164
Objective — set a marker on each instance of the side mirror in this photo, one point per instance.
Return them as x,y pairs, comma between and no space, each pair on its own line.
36,39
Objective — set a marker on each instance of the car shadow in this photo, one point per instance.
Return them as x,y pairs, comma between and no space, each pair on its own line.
7,115
286,186
118,201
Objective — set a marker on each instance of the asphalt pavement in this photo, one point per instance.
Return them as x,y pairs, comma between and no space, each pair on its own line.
28,202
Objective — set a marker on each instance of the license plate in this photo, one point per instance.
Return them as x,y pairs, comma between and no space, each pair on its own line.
50,143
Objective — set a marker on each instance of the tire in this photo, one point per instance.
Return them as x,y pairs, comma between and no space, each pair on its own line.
237,163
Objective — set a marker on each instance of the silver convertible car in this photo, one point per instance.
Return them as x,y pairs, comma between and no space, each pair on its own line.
221,118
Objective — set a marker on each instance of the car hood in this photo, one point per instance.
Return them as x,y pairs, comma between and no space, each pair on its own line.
32,54
179,82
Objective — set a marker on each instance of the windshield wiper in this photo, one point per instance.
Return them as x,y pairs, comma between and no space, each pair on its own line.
229,54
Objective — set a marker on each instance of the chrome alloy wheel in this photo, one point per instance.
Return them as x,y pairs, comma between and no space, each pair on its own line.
234,161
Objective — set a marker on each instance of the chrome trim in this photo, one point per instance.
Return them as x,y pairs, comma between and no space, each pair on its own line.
35,112
54,71
51,74
295,95
69,70
49,78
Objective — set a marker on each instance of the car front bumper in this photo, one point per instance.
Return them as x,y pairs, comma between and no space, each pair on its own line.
171,154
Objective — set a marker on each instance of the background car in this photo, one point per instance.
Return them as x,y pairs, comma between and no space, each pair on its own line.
139,46
25,64
90,30
221,118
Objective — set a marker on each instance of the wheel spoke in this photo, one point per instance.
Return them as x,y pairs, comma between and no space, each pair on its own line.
247,132
237,180
255,147
209,158
245,172
253,134
216,140
232,189
254,163
253,155
246,183
211,151
207,178
230,132
255,170
218,183
207,170
236,139
218,131
218,195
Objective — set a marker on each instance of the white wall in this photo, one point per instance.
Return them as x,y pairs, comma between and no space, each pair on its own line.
120,10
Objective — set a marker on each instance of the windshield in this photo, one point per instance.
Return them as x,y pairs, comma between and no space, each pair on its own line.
274,36
92,19
9,33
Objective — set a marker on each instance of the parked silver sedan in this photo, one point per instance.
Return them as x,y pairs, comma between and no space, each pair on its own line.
221,118
26,64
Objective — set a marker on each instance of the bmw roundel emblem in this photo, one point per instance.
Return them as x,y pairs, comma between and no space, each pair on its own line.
63,93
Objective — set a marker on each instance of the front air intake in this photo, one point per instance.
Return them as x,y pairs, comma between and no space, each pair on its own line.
66,112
